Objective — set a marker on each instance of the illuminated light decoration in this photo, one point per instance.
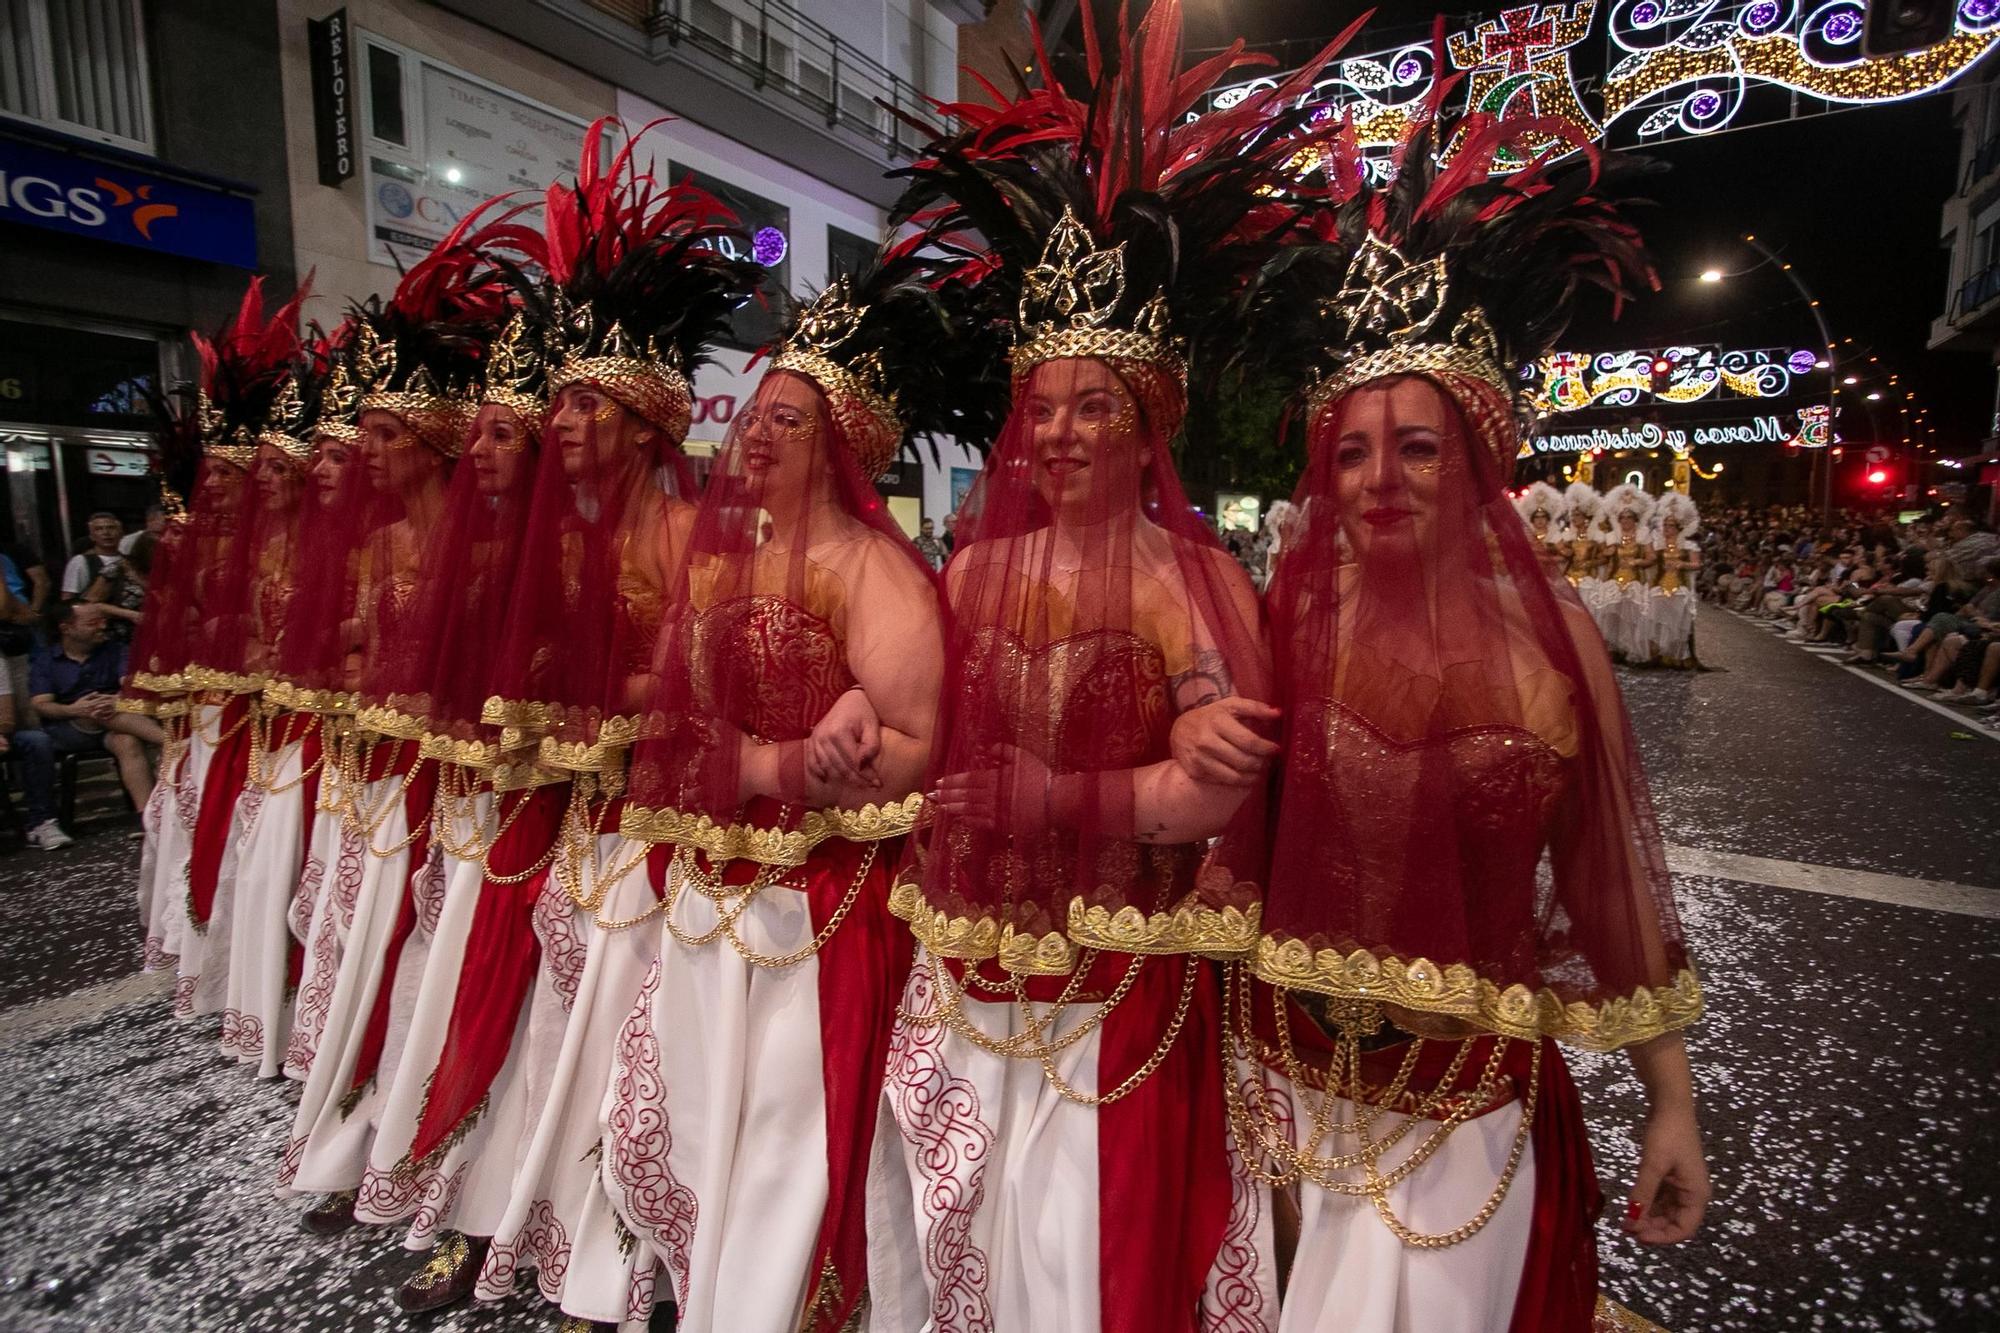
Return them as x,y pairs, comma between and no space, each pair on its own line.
1571,381
1809,433
1677,67
768,246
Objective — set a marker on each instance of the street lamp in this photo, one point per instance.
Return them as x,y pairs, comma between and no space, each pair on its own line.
1711,275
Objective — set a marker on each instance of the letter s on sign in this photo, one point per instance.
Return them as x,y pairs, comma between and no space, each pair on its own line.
83,207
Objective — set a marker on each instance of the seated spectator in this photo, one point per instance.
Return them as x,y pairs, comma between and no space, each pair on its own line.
1946,634
24,599
156,528
73,683
121,589
102,554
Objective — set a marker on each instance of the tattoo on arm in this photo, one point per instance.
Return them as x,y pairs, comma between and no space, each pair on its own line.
1204,682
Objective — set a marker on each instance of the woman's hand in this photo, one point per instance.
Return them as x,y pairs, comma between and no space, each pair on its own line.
1018,790
846,743
1217,743
1672,1191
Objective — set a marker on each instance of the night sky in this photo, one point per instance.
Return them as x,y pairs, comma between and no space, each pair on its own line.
1852,200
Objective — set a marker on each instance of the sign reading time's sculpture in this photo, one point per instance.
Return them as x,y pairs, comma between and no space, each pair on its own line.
1671,67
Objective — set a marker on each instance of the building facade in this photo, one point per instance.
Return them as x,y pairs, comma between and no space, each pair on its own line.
1970,230
135,202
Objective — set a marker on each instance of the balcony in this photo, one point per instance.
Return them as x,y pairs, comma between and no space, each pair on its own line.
780,50
758,71
1985,161
1973,322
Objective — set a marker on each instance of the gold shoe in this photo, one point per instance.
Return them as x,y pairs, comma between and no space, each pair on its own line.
447,1277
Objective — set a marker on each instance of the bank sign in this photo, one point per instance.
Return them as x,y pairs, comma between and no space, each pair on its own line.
43,187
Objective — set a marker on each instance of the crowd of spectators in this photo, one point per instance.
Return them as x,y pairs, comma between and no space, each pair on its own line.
63,644
1919,599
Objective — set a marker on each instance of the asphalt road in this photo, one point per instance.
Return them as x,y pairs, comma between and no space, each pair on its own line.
1848,1069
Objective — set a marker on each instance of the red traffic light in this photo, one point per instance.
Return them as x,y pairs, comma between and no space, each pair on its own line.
1877,477
1661,372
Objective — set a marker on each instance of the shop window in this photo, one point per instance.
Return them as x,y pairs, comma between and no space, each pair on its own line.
385,97
78,66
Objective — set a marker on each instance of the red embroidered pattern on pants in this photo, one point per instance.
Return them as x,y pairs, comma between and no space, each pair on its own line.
305,897
387,1196
288,1165
184,996
1232,1300
938,1113
187,798
427,891
316,994
242,1035
439,1202
157,959
639,1304
651,1199
563,948
541,1243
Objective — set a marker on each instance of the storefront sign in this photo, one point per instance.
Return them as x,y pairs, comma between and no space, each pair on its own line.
117,462
468,143
45,187
333,104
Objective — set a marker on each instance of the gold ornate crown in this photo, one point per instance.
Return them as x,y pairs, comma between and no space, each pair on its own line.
1067,304
1391,306
432,416
641,377
512,367
288,418
858,397
237,447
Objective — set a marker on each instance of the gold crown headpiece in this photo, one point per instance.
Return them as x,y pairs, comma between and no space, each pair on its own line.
641,376
513,370
1068,301
435,418
859,399
1388,309
237,447
290,418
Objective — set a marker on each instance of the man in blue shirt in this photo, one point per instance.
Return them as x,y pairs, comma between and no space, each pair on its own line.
73,684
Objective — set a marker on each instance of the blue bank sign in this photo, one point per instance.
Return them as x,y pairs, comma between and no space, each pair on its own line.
44,187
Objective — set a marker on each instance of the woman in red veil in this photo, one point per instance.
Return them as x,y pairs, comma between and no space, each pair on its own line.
741,1118
635,291
413,358
1052,1072
276,810
1462,869
246,514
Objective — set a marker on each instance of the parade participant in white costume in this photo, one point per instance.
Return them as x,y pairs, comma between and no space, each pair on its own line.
1455,752
1053,1073
453,1186
638,291
412,359
1670,610
742,1114
242,373
278,804
1580,504
1541,507
1618,600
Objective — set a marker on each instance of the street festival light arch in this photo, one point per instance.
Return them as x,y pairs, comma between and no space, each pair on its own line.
1673,68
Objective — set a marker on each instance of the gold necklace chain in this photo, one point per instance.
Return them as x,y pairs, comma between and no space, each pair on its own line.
732,904
1271,1157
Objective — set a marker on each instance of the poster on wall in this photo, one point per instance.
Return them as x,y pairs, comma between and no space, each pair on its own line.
465,143
961,485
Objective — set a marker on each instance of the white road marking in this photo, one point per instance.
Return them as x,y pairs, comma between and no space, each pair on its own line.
28,1021
1934,895
1873,675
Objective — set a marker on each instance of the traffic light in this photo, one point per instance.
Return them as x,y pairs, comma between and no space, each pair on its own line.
1662,372
1878,476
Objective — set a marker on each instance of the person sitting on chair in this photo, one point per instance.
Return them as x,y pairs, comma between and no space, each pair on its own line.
73,684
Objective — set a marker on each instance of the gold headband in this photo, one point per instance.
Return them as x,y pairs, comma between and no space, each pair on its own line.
862,406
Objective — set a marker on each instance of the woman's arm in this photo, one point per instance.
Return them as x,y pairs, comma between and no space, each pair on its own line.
1672,1189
